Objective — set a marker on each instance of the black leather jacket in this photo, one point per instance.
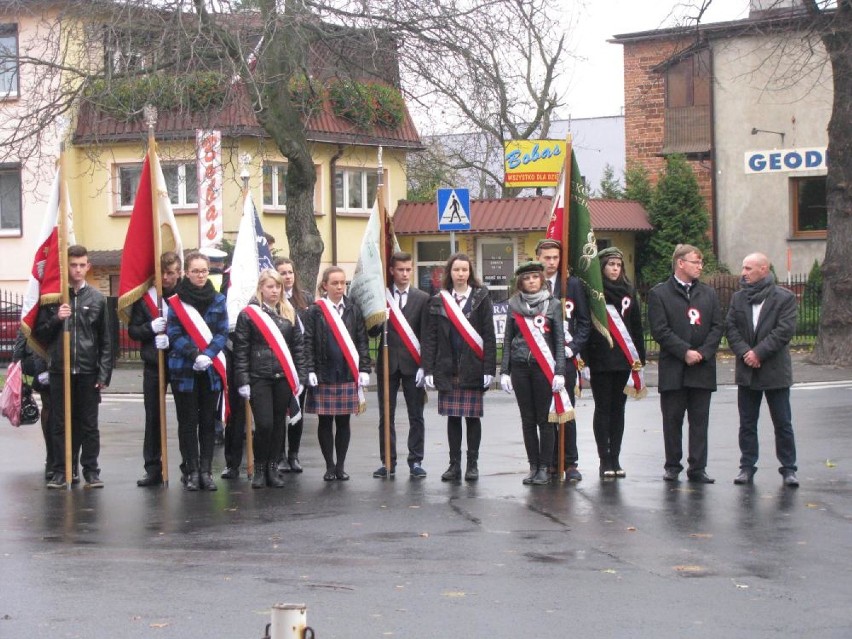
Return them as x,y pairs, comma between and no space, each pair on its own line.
318,335
91,346
140,330
253,357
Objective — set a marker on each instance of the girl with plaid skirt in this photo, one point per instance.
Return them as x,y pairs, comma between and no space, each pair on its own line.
338,364
459,355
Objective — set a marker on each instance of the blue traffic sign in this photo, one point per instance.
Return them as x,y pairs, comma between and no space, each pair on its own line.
453,210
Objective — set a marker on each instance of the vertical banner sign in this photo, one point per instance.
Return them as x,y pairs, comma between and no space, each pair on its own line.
210,210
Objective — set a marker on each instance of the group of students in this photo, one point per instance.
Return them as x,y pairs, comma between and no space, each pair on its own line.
290,353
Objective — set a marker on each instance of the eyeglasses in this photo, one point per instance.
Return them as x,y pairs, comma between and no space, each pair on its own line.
196,271
698,262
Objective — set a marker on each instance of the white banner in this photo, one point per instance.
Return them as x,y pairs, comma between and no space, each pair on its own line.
786,160
210,208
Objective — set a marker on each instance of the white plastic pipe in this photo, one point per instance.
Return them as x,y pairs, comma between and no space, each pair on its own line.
288,621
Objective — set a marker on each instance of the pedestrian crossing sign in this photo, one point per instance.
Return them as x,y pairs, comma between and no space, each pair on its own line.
453,210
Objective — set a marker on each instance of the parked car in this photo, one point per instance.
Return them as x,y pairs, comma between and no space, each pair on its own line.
10,322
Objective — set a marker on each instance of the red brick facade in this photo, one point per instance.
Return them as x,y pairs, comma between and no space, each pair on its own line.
645,108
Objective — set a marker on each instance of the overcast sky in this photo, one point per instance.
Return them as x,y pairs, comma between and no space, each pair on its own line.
595,81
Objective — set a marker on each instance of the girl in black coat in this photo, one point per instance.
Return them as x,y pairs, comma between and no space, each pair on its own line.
522,372
609,366
460,371
260,376
335,391
301,301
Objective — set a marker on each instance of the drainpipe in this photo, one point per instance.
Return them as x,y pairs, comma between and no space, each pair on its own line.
332,165
714,184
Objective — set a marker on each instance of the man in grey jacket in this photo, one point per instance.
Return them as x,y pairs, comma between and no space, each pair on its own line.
761,322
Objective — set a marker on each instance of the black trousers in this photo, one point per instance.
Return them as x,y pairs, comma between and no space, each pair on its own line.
197,414
269,401
778,401
85,437
454,438
572,455
330,442
291,444
416,426
151,449
235,429
608,423
47,428
695,403
534,396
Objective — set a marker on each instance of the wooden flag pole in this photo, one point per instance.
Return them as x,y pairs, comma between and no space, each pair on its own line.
65,298
249,416
563,272
385,381
151,119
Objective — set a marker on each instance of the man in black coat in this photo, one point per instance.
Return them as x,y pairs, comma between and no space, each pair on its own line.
404,369
686,320
761,322
150,331
578,327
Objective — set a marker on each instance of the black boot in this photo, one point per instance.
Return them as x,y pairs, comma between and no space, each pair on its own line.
453,473
258,479
205,477
272,477
191,480
529,478
472,471
541,477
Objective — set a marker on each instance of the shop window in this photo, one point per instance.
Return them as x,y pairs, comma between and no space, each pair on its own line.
432,256
496,265
810,213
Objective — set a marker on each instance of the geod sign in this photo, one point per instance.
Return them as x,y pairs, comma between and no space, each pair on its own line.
533,162
786,160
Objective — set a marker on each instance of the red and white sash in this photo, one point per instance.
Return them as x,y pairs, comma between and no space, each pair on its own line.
151,302
636,382
463,326
347,346
201,335
403,328
275,341
561,410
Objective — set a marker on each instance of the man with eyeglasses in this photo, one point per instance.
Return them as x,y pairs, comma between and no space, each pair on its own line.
686,320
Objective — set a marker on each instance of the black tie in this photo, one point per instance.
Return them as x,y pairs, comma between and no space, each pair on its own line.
686,288
401,295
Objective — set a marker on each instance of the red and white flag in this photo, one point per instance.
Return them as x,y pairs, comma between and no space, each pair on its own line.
137,259
44,286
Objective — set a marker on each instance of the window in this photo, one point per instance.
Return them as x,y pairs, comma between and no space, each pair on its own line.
496,265
274,191
8,60
10,201
432,256
810,213
687,123
355,189
181,182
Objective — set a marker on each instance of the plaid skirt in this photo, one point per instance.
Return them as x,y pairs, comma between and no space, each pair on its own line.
333,399
460,402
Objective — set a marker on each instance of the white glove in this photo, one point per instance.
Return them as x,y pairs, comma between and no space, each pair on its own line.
418,378
161,341
486,380
44,378
245,391
568,352
202,363
312,380
363,379
299,390
158,324
558,383
430,381
506,383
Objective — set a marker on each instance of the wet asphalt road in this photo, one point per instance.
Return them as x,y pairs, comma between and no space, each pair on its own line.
420,558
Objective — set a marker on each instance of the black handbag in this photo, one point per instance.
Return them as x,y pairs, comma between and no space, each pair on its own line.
29,408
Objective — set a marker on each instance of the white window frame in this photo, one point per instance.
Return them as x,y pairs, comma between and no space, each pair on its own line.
186,198
279,200
14,231
479,255
430,263
342,203
9,68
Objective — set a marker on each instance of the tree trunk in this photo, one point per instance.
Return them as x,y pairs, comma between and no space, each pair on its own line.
834,342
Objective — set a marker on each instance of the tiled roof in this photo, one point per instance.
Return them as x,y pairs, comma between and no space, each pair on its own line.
237,119
519,215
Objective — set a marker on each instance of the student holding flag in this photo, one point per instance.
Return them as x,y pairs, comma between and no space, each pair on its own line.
616,369
338,363
197,329
533,366
460,359
268,364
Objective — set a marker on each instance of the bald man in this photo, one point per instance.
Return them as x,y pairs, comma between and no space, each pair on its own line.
760,324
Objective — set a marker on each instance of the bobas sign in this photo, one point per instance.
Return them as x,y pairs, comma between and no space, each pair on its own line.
532,163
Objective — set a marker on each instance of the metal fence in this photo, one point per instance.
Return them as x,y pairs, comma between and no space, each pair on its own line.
809,297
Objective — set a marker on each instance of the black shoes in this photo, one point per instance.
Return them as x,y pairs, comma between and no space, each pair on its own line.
57,480
472,471
150,479
700,478
258,479
671,474
190,481
205,481
531,475
230,473
330,475
572,473
745,476
295,466
93,479
541,477
790,479
453,473
341,475
272,477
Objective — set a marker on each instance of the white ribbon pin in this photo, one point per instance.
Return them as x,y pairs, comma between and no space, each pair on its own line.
625,304
569,308
694,316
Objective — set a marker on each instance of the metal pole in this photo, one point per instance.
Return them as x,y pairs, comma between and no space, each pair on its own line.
289,621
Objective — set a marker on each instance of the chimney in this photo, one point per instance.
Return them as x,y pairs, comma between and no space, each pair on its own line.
773,8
